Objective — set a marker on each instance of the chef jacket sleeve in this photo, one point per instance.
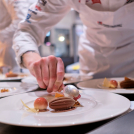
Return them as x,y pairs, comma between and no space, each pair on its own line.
40,19
17,10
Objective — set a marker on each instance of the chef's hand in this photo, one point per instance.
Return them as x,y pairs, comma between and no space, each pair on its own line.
49,71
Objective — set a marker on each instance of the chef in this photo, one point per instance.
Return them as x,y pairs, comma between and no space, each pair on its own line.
11,13
106,49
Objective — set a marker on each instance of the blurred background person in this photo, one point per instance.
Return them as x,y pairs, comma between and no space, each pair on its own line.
11,13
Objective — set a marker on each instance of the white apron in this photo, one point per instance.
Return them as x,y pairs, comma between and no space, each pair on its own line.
106,48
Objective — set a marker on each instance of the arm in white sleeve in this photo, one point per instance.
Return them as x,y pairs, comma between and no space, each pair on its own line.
40,18
18,11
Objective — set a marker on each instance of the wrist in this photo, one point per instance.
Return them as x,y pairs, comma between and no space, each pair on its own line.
29,57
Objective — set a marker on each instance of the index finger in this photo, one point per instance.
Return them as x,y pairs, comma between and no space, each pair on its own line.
60,74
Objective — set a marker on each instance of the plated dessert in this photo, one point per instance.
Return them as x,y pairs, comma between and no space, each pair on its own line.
11,74
126,83
95,106
4,90
63,101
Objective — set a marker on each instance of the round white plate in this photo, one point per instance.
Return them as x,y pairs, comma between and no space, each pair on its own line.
4,78
16,88
96,84
96,106
71,78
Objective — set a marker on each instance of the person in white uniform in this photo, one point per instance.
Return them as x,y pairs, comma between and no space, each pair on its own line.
106,48
11,13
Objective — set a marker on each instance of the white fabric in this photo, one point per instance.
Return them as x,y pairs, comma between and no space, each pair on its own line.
11,13
106,47
110,47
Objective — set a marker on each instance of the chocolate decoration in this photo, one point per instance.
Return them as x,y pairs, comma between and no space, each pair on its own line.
127,83
61,103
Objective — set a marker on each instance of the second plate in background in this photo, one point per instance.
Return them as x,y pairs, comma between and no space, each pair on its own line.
96,84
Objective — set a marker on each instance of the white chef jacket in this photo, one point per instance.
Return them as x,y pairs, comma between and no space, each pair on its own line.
11,13
107,45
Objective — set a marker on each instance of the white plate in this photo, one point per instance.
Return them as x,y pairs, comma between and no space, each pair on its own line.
16,88
96,106
75,78
4,78
96,84
29,79
72,78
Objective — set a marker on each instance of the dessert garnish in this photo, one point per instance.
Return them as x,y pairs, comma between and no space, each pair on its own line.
77,103
127,83
110,84
30,109
62,103
59,94
4,90
72,92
